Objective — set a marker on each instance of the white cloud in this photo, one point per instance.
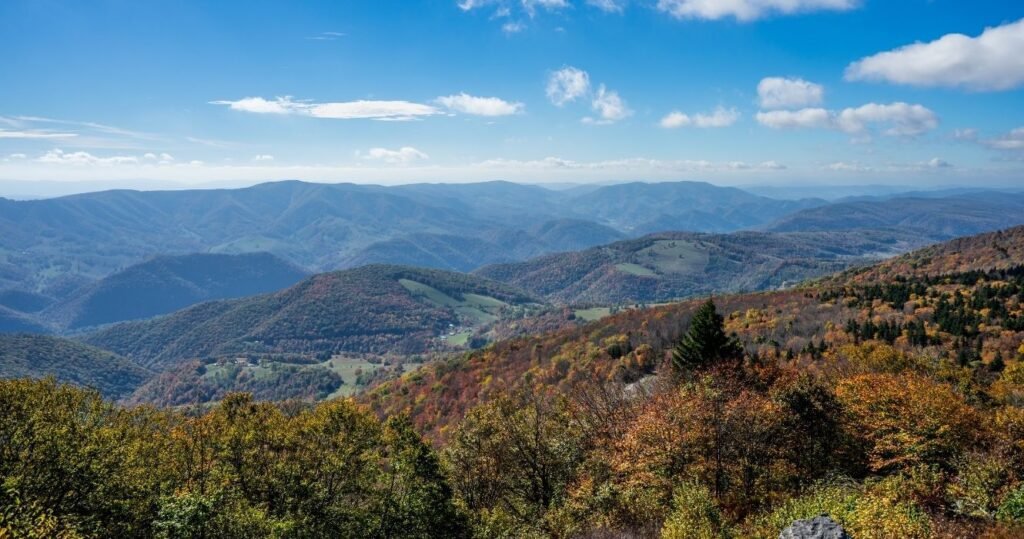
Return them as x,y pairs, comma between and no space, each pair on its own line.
796,119
513,27
783,93
969,134
326,36
989,62
935,162
480,106
552,5
263,157
405,154
33,134
608,6
567,85
17,156
848,167
609,106
61,157
897,119
748,10
349,110
1014,140
161,159
904,119
721,117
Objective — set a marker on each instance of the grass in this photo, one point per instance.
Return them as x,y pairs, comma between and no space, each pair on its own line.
635,269
460,339
349,367
474,308
594,313
674,256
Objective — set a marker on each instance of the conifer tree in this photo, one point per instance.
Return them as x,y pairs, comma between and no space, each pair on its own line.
706,342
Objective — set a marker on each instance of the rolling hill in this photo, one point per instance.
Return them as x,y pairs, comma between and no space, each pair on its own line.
373,309
907,302
38,356
668,266
642,208
466,253
168,283
934,218
55,245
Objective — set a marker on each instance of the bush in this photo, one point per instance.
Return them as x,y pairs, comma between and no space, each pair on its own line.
694,514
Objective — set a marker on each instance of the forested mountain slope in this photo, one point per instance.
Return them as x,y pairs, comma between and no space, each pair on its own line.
372,309
671,265
870,303
38,356
167,283
937,219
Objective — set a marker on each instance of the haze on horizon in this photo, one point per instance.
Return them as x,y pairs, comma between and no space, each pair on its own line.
748,93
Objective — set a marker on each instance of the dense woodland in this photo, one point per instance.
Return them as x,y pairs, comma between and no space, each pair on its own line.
891,398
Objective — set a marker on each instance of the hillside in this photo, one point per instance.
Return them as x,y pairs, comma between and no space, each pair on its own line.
464,253
168,283
54,246
642,208
916,315
373,309
37,356
934,218
667,266
12,321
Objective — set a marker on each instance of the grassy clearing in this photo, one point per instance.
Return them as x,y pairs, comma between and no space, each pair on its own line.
674,256
474,308
635,269
594,313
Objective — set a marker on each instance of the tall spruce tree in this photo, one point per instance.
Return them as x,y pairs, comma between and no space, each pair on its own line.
706,342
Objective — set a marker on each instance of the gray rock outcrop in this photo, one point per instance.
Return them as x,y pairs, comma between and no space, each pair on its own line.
820,527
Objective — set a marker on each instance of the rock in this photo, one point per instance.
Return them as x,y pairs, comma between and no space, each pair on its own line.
821,527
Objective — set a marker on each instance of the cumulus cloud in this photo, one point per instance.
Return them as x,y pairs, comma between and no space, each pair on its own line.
263,157
609,106
748,10
721,117
810,118
480,106
403,155
783,93
896,119
567,85
1014,140
349,110
989,62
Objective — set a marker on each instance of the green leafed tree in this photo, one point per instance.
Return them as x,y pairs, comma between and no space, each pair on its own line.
705,343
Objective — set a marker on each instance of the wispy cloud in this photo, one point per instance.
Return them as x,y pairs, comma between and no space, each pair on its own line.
609,106
326,36
34,134
348,110
567,85
748,10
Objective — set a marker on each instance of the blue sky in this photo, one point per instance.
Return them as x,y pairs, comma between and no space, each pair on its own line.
915,92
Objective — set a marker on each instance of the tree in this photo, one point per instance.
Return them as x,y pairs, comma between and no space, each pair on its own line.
706,342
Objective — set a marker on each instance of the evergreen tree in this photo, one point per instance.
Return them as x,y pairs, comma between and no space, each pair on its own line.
705,343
